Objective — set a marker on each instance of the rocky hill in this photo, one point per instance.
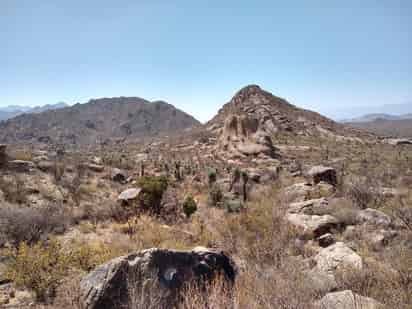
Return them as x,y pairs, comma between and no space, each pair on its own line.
275,114
96,121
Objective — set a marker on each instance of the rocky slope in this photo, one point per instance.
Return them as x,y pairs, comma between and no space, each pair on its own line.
275,115
97,121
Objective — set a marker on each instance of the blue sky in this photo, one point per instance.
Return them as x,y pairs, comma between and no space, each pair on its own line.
329,56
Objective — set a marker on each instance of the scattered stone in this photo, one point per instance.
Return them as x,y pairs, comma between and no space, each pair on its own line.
323,173
347,300
312,226
21,166
309,207
96,160
118,175
326,240
129,194
95,167
159,272
398,141
374,217
337,257
46,166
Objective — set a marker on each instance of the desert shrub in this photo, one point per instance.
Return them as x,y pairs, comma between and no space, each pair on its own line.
39,268
85,257
211,175
189,206
215,197
232,205
152,192
30,225
14,190
364,193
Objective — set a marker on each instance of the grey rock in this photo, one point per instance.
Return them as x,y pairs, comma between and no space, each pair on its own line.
347,300
21,165
374,217
312,226
326,240
159,272
323,173
337,257
118,175
129,194
309,207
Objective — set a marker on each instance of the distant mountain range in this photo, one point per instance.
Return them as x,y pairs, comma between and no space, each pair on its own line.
97,121
15,110
377,116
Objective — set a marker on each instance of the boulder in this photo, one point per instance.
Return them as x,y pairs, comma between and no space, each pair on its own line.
129,194
21,165
326,240
96,160
118,175
298,191
398,141
159,272
95,167
373,217
309,207
323,173
337,257
347,300
312,226
46,166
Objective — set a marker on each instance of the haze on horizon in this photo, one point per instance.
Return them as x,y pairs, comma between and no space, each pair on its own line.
338,58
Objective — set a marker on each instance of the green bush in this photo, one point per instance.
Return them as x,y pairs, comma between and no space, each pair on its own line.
189,206
211,175
215,196
39,268
233,205
152,192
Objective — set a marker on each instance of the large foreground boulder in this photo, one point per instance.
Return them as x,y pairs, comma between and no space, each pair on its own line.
157,273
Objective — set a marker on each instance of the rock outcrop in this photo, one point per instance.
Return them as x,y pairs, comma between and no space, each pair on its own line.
159,272
243,136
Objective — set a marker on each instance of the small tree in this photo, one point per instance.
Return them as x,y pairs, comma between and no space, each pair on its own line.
211,176
215,196
189,206
152,192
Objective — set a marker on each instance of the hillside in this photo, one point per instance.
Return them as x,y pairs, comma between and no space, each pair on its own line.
277,115
97,121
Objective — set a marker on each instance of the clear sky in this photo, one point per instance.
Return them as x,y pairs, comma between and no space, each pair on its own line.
328,56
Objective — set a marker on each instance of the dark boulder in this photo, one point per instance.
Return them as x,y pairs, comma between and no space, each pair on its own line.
160,272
